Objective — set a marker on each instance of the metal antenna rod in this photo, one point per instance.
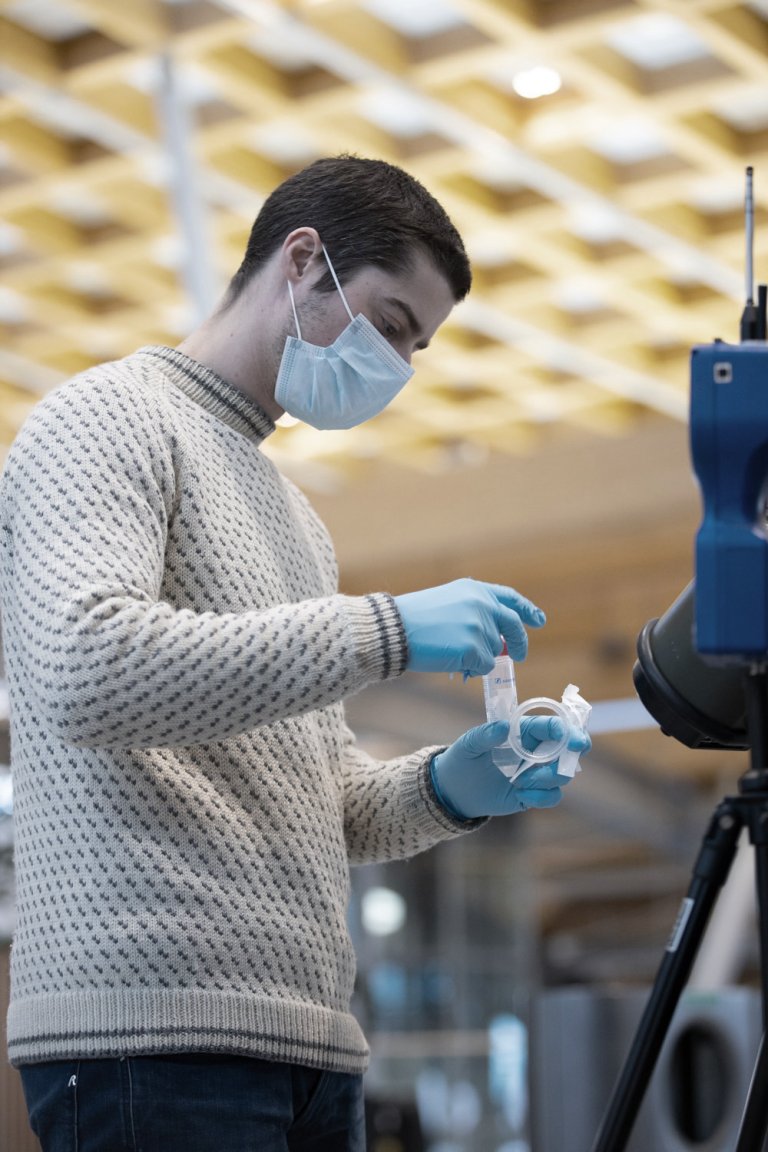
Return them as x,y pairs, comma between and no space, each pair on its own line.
752,325
749,212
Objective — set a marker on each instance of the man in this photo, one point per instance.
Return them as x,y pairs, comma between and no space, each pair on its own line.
188,798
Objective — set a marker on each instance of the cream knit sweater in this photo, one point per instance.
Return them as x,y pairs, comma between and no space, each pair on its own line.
187,796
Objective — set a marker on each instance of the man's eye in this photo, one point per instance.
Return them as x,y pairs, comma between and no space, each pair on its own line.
387,329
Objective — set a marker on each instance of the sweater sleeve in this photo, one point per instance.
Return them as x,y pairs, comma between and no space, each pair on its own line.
391,811
86,499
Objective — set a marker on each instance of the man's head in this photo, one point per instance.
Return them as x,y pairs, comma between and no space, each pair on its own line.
367,213
401,268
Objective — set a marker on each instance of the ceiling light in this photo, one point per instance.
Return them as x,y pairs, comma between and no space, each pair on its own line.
284,143
100,341
486,251
382,911
6,793
179,318
747,112
13,308
714,196
497,171
47,18
88,278
681,267
425,18
531,83
193,82
156,168
279,48
579,295
81,208
11,239
47,107
629,141
595,223
395,111
143,74
167,251
656,41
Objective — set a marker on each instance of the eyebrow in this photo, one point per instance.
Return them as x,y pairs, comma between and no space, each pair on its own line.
410,316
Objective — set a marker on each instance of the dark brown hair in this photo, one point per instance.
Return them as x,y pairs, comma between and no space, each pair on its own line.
365,212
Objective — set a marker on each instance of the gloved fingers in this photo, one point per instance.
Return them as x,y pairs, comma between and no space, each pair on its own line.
541,777
579,740
480,658
479,741
511,627
504,614
534,729
528,612
534,798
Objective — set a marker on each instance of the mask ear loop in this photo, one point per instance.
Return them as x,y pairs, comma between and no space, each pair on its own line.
293,305
336,282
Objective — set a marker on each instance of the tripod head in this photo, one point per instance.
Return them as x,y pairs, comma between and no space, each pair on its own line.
692,661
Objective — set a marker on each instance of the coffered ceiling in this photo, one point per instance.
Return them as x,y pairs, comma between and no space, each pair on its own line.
591,152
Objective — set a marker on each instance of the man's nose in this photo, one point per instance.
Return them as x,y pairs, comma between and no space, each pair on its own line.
405,349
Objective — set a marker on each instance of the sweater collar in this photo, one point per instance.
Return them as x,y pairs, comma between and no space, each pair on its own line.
212,393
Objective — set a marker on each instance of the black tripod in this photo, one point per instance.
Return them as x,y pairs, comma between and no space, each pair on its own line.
747,810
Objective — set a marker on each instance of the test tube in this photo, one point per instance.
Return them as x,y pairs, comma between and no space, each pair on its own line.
500,693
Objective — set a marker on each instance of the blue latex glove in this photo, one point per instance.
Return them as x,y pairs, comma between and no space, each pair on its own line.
458,627
469,785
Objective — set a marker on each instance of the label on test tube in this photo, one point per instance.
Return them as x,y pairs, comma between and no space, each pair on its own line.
500,692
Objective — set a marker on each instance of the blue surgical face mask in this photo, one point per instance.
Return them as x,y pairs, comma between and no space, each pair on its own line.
344,384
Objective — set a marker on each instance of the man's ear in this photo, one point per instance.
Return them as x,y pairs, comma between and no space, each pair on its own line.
301,248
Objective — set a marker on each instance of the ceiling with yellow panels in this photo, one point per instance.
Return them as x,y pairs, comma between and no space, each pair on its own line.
591,152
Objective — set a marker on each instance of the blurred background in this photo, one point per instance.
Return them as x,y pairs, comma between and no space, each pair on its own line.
592,154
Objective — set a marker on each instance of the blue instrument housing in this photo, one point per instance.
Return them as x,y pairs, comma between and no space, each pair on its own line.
729,450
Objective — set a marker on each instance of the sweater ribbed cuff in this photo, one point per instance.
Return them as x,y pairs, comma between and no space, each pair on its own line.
379,636
424,806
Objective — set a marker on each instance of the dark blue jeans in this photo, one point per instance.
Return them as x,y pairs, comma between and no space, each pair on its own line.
195,1103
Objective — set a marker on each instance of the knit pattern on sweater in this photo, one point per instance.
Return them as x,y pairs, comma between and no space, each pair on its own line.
187,795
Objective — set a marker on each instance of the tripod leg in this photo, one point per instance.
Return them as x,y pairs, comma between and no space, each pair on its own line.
709,874
753,785
754,1123
755,1117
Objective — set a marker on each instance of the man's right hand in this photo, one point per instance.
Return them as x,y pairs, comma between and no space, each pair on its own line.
461,626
